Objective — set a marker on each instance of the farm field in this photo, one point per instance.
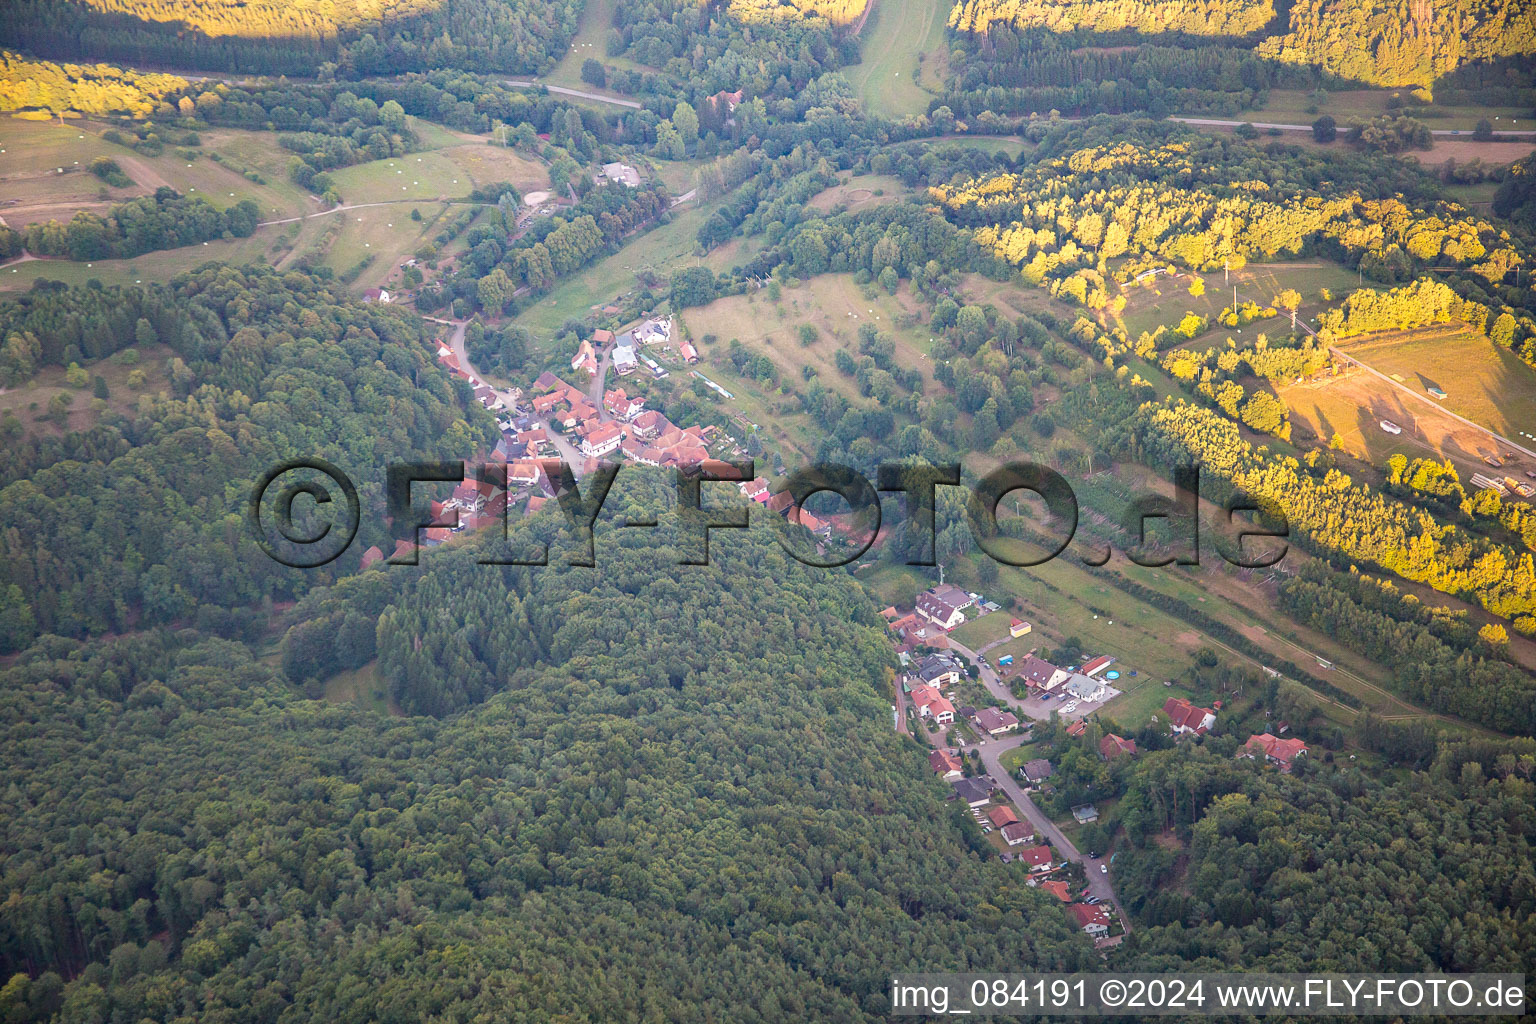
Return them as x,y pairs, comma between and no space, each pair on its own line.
1483,382
899,37
438,174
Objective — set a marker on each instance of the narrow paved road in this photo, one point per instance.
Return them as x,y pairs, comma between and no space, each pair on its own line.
568,452
533,83
1510,136
1100,883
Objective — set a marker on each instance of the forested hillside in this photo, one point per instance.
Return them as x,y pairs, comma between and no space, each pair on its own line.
1205,18
295,38
689,806
136,521
1384,42
49,88
1402,42
1231,864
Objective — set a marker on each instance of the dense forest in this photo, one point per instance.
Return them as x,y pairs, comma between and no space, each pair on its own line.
48,88
297,37
1384,42
691,788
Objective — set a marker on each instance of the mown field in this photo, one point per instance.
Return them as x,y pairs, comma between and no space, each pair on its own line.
900,38
341,239
1482,381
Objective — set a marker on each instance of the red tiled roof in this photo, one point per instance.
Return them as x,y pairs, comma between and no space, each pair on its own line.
1035,856
1002,815
1284,751
1185,715
1059,889
372,556
1086,915
944,762
1112,746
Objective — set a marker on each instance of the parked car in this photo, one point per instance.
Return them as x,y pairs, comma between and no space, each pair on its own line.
1092,901
1103,869
1390,427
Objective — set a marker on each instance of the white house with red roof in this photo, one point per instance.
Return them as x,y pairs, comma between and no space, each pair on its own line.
1092,919
947,765
1278,752
601,440
1037,857
1184,717
943,605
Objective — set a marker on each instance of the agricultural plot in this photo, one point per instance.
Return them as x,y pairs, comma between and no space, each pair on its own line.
1482,382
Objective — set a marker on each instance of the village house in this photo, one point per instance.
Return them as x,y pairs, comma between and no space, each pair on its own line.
656,331
1278,752
688,352
1112,746
1018,627
1092,919
1056,887
602,336
995,722
947,765
1186,718
931,704
1037,771
975,792
757,490
624,360
585,359
943,605
1041,676
1037,857
602,440
621,174
621,405
1001,815
1017,833
938,671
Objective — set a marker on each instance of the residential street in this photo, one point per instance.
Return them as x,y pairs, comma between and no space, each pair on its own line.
568,452
1099,883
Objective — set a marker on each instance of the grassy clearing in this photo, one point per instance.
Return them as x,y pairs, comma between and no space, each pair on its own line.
835,306
590,41
363,687
859,192
900,39
1164,300
1289,106
658,251
31,400
417,176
